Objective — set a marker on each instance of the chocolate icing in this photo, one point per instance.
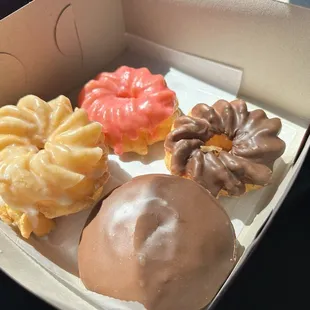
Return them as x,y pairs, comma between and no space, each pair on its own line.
161,240
255,146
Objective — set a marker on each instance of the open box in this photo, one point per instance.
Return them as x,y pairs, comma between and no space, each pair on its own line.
258,50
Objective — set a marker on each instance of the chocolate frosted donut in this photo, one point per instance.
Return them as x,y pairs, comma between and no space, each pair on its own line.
161,240
225,148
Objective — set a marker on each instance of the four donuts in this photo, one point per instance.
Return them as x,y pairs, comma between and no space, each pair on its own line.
161,240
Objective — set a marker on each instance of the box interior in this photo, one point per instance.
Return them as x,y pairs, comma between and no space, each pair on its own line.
51,48
267,39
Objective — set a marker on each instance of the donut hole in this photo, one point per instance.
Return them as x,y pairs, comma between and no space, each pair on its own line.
127,93
124,93
218,143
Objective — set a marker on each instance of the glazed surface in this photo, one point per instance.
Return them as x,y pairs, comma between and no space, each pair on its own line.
127,102
255,147
161,240
52,159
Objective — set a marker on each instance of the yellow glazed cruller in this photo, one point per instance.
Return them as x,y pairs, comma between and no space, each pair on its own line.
53,162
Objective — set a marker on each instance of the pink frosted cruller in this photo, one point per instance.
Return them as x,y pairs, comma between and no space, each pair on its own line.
127,102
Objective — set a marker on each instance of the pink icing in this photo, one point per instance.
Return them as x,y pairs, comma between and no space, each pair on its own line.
127,102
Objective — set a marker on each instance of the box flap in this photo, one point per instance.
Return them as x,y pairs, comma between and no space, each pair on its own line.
269,40
48,47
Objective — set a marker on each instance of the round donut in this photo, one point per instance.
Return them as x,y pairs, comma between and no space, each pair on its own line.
135,108
225,148
161,240
53,161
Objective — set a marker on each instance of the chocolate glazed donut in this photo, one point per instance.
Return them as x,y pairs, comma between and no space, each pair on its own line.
225,148
161,240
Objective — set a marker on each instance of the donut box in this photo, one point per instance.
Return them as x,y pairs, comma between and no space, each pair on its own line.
206,51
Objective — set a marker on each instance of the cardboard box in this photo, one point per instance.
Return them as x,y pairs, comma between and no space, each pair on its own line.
257,50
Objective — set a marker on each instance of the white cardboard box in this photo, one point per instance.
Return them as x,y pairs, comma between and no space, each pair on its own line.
258,50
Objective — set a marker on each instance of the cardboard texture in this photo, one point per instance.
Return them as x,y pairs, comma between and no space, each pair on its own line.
206,50
268,40
44,50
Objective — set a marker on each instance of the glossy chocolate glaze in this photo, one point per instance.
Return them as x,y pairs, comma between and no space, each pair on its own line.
161,240
255,146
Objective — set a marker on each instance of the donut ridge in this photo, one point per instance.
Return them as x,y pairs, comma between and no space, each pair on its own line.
128,102
247,162
52,159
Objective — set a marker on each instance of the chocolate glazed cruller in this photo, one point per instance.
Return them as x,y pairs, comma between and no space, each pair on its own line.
225,148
